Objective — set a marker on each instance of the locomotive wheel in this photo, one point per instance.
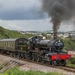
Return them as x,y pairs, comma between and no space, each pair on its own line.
24,56
27,56
18,55
62,63
43,61
54,63
38,59
33,57
48,62
21,54
13,54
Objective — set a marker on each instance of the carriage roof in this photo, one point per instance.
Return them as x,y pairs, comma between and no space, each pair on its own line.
13,39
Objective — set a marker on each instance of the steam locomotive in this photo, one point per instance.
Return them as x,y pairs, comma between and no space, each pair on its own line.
36,48
50,51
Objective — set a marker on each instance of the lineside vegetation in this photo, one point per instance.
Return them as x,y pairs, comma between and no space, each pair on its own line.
16,71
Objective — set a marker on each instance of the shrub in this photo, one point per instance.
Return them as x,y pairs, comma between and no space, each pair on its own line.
72,60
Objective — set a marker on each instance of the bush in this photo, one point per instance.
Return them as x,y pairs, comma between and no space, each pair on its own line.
69,44
72,60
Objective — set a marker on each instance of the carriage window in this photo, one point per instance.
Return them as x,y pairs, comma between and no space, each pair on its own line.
8,44
22,42
12,44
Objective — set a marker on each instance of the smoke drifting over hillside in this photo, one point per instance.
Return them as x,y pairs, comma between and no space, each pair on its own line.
59,10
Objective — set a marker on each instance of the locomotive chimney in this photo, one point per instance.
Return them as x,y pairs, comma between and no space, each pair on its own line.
55,36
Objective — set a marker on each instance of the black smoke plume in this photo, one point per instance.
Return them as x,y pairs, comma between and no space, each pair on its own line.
59,10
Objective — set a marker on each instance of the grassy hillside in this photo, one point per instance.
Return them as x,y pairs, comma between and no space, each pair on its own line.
69,44
5,33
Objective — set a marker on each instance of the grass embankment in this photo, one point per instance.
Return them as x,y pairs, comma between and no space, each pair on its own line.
71,62
16,71
69,44
5,33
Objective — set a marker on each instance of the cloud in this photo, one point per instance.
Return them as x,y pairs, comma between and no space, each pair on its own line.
25,15
14,27
20,9
26,25
32,25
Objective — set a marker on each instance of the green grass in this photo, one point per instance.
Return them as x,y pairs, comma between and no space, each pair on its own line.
71,62
16,71
71,65
69,44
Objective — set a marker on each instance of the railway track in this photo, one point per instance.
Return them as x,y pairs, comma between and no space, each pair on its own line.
67,68
8,65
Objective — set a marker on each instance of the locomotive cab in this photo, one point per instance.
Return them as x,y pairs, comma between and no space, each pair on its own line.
34,42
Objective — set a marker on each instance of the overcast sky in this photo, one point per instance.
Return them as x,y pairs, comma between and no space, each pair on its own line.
25,15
